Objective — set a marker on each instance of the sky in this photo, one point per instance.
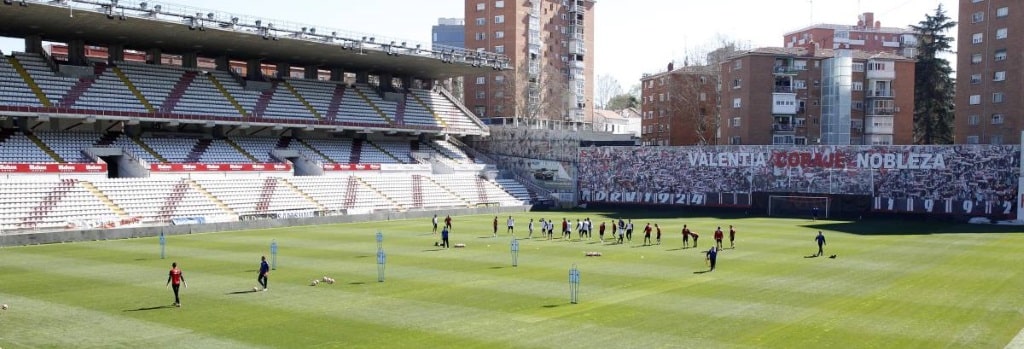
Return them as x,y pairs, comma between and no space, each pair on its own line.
632,37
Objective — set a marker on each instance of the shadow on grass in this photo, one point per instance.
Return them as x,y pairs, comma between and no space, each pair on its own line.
552,305
357,283
910,227
434,250
497,268
361,256
812,256
702,271
241,292
152,308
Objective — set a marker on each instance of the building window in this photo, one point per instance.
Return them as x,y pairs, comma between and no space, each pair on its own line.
499,49
858,67
499,19
481,94
800,140
736,83
858,86
800,84
703,96
975,79
481,21
1002,11
480,80
997,97
499,4
481,36
976,58
858,105
973,120
1000,33
737,65
737,102
499,79
997,119
978,17
975,99
481,6
1000,54
480,110
661,97
972,139
735,122
735,140
499,94
977,38
996,139
999,76
499,34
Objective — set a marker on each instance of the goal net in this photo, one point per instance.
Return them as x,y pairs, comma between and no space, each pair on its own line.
798,206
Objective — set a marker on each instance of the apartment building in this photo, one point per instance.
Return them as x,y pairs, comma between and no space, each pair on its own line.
679,106
990,52
867,35
549,44
798,96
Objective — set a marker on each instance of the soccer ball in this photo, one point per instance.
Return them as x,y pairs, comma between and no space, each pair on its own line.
315,282
325,279
4,307
255,288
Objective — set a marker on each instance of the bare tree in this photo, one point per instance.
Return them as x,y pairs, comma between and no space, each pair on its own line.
607,88
693,93
535,95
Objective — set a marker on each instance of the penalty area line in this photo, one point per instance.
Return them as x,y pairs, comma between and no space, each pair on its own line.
1017,342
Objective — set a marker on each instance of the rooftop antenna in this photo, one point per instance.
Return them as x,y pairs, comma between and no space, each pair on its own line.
811,2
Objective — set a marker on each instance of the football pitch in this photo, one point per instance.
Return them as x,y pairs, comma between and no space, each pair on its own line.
892,284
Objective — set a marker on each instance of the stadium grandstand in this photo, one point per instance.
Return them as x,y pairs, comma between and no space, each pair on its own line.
201,116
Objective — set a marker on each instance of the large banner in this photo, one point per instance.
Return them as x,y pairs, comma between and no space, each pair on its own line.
201,167
957,179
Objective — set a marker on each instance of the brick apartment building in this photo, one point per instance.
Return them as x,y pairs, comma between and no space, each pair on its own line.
679,106
816,96
549,44
990,53
867,35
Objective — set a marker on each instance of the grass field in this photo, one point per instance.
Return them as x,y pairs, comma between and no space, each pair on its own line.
894,284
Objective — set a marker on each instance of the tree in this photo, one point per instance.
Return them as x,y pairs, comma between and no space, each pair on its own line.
622,101
934,89
607,87
540,93
691,91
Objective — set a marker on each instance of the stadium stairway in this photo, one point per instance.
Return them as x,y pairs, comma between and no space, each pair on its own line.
266,193
400,112
104,199
373,106
76,91
445,154
351,192
317,151
384,151
481,191
440,121
133,89
41,210
224,91
450,191
227,209
46,149
148,149
391,200
172,200
417,191
31,82
357,149
303,194
241,150
197,150
302,100
263,101
335,106
178,91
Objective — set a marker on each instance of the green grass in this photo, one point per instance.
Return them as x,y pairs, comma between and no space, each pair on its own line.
894,284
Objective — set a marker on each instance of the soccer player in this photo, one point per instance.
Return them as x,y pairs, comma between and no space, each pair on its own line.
444,237
264,271
629,231
435,224
821,243
511,226
175,278
495,231
448,222
600,231
686,236
712,256
814,213
565,228
718,237
657,229
530,227
732,237
694,235
621,232
647,234
579,229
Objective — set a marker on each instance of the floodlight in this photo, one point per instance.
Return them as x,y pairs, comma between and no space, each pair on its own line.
234,20
258,23
209,15
157,8
142,5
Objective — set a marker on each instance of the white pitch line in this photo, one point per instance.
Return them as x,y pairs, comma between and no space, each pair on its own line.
1017,342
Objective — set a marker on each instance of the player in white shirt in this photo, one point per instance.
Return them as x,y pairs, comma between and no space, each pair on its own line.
511,225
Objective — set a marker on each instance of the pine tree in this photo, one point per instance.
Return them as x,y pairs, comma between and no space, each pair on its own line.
934,88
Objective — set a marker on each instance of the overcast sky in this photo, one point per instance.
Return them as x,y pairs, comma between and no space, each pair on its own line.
632,36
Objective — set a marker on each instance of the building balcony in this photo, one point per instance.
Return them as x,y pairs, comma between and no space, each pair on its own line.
879,111
783,129
880,94
784,103
886,74
788,69
784,89
875,125
890,44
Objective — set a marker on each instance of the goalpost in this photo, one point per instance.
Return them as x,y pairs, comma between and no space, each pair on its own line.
802,206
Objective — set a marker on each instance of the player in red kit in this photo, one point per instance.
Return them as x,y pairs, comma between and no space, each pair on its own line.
732,237
175,278
686,236
647,234
718,238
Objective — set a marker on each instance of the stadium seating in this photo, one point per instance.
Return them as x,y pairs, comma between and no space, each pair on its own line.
452,116
255,195
18,148
69,145
13,89
157,200
53,203
53,86
258,147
